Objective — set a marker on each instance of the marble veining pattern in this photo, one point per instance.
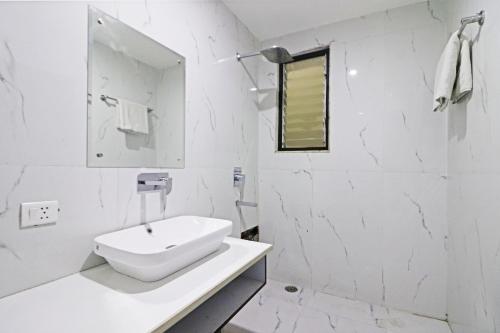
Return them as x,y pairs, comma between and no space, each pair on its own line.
275,310
381,222
43,80
8,80
368,219
16,183
474,181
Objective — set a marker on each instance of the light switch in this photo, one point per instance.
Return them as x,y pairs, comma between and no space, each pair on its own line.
39,213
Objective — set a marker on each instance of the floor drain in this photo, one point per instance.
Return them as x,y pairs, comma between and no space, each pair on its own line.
291,289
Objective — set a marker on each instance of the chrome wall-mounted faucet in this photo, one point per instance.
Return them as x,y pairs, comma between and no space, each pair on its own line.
239,182
155,182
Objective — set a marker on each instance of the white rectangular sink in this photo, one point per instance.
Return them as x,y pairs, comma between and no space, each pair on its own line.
174,243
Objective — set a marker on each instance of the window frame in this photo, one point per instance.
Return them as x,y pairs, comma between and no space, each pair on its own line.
304,56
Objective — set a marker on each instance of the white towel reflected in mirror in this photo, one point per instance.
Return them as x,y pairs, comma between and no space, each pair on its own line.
132,117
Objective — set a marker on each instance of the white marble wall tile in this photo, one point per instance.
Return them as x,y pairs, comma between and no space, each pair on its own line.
473,127
356,107
474,248
347,257
43,85
413,135
286,221
413,17
474,164
46,65
414,243
384,172
87,201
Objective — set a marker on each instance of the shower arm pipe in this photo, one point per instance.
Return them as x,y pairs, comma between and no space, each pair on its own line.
248,55
255,86
478,18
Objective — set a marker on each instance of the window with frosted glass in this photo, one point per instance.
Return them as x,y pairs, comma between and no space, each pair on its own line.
303,102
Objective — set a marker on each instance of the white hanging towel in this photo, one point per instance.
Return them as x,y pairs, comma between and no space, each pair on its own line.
463,82
132,117
446,73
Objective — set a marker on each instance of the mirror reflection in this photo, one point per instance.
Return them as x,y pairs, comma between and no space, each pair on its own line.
136,89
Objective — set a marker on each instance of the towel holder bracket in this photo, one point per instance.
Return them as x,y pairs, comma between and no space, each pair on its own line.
478,18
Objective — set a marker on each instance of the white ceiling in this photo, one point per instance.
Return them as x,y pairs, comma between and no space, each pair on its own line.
273,18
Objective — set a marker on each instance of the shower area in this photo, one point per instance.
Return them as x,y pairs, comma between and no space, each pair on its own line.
391,229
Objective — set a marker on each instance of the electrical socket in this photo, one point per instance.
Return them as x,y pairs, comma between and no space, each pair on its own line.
39,213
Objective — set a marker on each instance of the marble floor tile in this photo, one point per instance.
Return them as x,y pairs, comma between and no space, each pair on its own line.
275,310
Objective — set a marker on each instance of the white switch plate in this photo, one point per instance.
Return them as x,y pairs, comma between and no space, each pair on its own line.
39,213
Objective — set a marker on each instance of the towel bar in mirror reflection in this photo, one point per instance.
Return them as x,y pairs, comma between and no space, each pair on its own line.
106,98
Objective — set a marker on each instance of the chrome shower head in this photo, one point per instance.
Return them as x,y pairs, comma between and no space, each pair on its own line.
277,54
274,54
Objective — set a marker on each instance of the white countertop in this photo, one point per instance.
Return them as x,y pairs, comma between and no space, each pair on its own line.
102,300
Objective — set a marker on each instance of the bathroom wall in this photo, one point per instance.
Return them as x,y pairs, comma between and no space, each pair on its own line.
368,219
43,129
474,181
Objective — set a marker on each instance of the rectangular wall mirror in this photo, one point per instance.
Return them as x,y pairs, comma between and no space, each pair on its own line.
136,98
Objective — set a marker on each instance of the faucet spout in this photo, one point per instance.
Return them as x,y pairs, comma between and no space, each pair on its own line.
161,182
148,228
153,182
